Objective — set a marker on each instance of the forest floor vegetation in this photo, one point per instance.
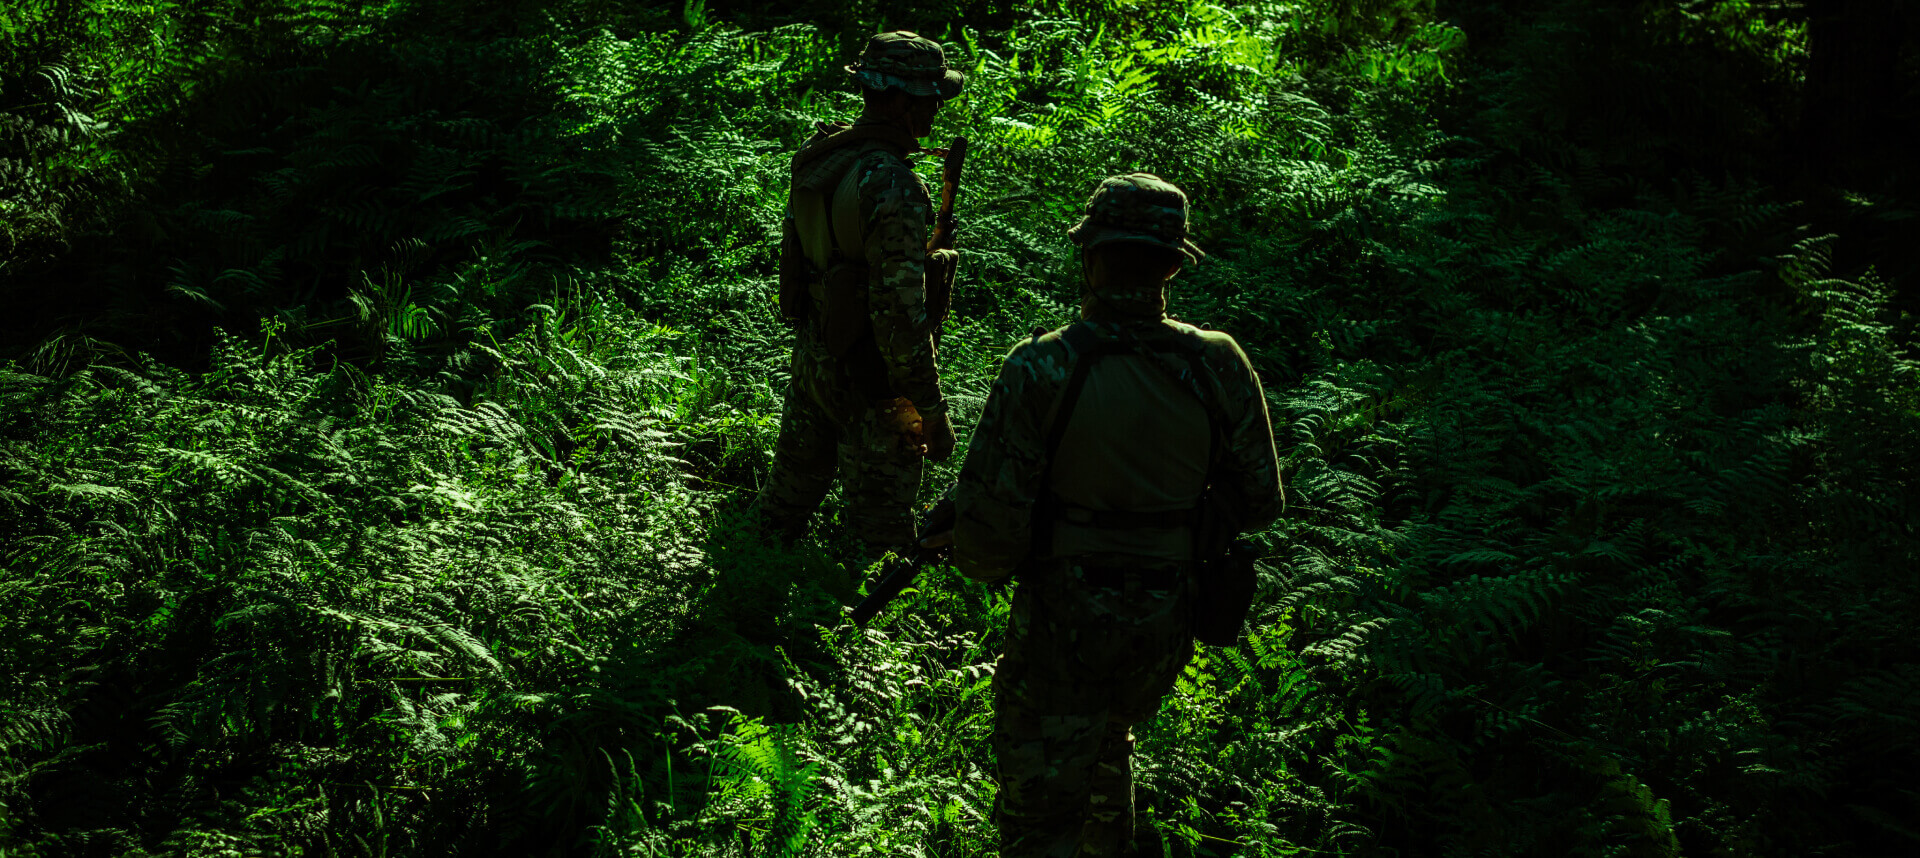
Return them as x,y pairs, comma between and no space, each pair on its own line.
386,383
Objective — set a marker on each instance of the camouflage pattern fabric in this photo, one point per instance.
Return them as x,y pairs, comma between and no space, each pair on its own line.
1139,207
898,213
825,420
826,428
1000,480
1102,617
1083,663
907,61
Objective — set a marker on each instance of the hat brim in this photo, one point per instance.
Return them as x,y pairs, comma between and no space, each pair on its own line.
1090,235
944,87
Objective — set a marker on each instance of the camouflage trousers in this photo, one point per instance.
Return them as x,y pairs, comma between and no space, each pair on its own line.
826,427
1084,662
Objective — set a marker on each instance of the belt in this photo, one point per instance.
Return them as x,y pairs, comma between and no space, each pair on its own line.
1120,519
1115,577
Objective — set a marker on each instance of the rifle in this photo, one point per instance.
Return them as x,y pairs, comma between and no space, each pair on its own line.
945,225
899,572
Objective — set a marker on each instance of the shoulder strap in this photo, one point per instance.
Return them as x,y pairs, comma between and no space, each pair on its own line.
837,136
1215,498
1193,376
1088,349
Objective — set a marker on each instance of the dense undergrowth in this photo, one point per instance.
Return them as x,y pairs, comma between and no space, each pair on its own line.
386,381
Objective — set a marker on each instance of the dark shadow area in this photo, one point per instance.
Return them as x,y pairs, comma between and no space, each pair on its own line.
353,184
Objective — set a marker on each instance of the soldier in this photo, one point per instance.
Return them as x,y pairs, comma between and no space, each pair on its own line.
855,270
1084,475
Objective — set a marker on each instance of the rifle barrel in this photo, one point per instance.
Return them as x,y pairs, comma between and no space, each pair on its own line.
901,572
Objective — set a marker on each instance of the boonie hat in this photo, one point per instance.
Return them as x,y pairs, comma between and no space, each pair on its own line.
908,61
1138,207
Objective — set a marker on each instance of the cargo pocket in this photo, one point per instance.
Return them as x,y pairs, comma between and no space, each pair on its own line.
1117,634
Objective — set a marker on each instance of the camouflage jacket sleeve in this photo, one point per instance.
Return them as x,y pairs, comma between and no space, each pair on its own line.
1250,441
1006,460
897,210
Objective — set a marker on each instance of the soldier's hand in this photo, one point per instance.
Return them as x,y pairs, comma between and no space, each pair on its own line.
941,265
900,421
939,437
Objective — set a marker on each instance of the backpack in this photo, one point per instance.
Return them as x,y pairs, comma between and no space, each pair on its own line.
822,244
823,249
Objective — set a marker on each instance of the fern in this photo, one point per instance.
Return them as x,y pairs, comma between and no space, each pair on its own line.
1598,469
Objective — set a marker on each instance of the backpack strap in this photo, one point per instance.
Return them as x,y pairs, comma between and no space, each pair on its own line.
841,134
1190,349
1088,349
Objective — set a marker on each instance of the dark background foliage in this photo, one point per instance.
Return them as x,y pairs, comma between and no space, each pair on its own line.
383,384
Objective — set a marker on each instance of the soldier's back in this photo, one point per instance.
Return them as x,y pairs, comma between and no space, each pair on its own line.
1137,435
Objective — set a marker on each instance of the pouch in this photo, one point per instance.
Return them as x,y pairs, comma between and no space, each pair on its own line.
1223,594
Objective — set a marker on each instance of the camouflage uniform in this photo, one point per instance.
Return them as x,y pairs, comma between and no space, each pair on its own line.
1100,621
829,421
